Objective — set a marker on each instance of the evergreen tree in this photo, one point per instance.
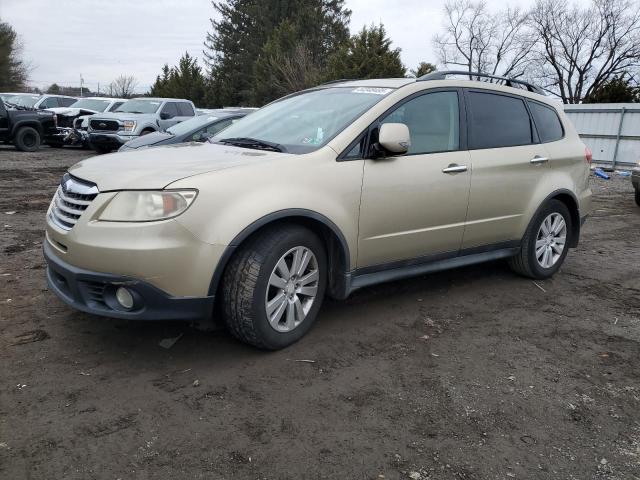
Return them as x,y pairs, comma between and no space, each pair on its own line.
13,72
254,43
616,90
423,69
182,81
367,55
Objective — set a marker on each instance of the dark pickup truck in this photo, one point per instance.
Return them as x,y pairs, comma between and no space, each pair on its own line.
26,128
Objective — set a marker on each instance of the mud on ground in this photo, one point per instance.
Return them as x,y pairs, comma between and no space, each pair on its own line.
469,374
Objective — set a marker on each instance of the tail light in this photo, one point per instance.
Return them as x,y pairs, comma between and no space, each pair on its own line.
588,156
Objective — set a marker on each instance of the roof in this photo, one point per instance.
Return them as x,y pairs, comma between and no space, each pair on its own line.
160,99
373,82
110,99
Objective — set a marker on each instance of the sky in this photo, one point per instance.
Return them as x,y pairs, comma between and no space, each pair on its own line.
102,39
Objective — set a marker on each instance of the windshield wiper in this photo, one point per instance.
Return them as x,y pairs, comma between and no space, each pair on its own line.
255,143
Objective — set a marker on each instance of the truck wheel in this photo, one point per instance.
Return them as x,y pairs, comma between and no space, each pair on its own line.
638,197
100,149
545,243
27,139
273,287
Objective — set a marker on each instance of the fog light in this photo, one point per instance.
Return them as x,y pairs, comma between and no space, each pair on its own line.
124,298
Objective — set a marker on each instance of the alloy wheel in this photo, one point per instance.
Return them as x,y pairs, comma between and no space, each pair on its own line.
551,240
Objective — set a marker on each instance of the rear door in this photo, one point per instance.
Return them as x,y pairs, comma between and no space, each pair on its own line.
4,121
415,205
508,162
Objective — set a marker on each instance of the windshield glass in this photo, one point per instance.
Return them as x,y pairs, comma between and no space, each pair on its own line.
192,124
8,97
91,104
139,106
305,122
25,100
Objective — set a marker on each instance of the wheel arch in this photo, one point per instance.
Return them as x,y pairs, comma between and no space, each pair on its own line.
334,240
27,123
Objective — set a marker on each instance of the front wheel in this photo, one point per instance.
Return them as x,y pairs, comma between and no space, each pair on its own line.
546,242
273,287
27,139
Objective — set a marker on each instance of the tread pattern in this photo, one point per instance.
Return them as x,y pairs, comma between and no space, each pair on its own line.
241,278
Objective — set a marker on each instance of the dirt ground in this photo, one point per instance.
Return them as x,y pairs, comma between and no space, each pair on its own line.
469,374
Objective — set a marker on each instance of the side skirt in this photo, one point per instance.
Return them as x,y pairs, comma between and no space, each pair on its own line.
367,276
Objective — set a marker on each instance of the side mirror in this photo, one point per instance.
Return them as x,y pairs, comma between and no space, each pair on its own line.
165,116
394,137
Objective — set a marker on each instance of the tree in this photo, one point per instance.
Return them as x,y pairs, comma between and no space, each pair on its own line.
13,71
122,87
251,37
423,69
182,81
580,49
367,55
54,88
617,90
478,40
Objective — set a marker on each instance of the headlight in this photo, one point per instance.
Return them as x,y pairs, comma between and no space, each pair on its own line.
129,125
147,206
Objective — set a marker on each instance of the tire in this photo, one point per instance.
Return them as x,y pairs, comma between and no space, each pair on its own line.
27,139
247,287
527,262
146,132
638,197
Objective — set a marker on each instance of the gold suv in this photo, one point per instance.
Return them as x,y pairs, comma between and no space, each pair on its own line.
324,191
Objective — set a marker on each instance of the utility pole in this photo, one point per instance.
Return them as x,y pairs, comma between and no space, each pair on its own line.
81,84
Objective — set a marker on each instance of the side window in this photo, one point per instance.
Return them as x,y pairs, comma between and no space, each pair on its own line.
185,109
498,121
50,102
219,126
433,120
170,109
547,122
65,102
115,106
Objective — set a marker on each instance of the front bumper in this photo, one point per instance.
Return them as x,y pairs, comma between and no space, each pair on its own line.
94,293
111,140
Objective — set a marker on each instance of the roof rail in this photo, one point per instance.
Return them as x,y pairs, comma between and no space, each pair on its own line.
509,82
340,80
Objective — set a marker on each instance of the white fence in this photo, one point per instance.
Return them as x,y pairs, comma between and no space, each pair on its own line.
610,130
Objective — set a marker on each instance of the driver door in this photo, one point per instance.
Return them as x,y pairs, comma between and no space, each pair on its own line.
168,115
415,205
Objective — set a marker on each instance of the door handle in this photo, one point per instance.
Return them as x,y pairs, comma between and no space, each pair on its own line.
538,159
455,168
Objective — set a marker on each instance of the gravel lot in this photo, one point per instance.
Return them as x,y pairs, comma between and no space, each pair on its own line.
469,374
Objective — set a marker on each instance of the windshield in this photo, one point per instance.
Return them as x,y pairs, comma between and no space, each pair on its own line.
7,96
91,104
192,124
139,106
25,100
305,122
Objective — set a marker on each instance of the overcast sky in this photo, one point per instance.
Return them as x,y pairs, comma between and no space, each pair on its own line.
102,39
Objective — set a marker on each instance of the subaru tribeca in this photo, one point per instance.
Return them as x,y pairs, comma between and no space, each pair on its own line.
322,192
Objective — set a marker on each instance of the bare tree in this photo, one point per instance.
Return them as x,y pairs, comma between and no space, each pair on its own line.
123,87
477,39
295,71
579,49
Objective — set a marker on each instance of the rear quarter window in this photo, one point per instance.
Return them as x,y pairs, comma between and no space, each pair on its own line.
498,121
547,122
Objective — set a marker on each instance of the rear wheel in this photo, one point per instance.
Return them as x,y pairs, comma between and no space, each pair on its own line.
27,139
273,287
546,242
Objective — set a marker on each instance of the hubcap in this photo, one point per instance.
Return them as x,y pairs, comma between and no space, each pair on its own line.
551,240
292,289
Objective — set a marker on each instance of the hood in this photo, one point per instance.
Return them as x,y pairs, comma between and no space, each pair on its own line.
72,112
128,116
155,168
148,140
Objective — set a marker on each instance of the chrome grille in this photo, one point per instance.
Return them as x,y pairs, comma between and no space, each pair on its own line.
71,199
104,125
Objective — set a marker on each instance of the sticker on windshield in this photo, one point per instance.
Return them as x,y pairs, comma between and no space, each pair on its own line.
373,90
154,103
